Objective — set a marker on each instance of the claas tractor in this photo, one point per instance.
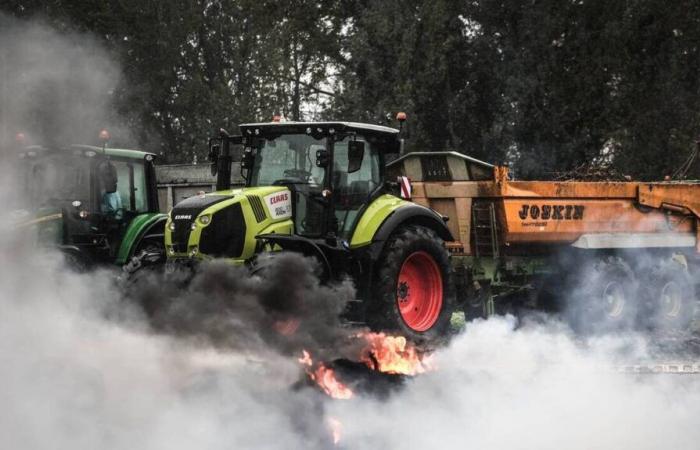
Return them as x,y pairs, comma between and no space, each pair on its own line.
97,205
319,189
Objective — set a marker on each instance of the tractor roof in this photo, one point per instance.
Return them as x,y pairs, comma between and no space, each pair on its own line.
276,128
113,152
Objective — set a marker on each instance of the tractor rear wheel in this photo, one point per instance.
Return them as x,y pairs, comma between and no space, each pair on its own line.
414,294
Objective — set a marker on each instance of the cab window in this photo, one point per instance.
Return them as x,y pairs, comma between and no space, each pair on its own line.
131,185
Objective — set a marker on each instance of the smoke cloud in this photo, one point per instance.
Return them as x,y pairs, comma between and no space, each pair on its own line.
536,387
283,307
55,87
73,377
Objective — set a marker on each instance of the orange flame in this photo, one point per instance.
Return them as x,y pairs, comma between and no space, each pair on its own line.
392,354
325,378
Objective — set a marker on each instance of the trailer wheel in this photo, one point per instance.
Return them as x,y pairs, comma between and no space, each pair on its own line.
604,298
672,298
414,292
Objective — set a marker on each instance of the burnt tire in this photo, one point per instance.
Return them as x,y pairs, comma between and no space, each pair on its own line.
671,302
604,298
413,290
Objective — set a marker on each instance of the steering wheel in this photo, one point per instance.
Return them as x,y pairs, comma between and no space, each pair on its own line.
297,173
293,176
115,216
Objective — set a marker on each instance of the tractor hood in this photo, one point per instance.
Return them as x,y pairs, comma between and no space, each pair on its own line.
225,223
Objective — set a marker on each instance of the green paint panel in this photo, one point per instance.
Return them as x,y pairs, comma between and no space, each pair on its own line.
373,217
136,228
253,228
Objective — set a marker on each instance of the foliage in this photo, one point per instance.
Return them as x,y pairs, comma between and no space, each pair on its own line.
546,85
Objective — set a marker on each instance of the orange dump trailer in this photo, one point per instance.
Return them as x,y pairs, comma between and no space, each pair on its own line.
605,253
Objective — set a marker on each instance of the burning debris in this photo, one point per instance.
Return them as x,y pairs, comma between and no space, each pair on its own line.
393,354
379,367
325,378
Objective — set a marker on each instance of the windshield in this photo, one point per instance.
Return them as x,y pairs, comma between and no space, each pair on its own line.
288,158
56,179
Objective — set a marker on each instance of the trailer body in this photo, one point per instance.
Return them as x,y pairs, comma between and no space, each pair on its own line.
517,236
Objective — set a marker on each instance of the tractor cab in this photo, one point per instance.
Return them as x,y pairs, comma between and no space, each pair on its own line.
87,200
332,169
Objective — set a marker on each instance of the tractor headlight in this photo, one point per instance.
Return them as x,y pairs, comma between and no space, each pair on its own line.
171,226
205,219
194,251
171,249
193,226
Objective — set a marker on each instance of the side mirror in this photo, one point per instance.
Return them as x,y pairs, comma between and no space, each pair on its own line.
108,177
356,152
247,158
214,152
322,158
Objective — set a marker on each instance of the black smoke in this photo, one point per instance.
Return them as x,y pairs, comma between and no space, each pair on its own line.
283,307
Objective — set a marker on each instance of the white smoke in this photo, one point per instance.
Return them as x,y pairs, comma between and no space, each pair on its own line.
534,388
73,379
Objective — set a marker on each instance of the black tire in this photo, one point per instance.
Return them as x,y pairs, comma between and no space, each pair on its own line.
144,271
603,298
384,313
671,303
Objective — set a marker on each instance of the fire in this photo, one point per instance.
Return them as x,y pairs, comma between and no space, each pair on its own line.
392,354
306,359
336,427
325,378
382,353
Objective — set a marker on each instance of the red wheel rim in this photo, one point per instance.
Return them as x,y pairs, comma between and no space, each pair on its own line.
419,291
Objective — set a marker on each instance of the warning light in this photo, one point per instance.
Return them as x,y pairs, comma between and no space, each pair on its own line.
104,135
20,138
401,116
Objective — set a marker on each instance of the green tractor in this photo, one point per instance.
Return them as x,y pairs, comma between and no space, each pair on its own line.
319,189
97,205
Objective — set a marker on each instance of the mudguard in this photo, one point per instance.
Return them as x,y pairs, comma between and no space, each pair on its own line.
413,214
386,214
143,225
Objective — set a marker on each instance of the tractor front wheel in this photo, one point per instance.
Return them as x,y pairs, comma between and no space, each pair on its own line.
414,295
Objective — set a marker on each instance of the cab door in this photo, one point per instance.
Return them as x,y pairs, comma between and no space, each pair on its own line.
353,190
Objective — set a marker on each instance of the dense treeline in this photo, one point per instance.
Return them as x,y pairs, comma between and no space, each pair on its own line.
547,85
